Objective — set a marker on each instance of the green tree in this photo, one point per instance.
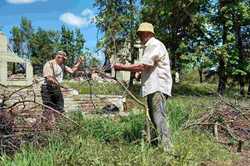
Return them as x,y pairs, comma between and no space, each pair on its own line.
43,46
241,18
67,44
72,42
108,20
93,62
20,38
246,52
40,45
16,40
175,23
79,43
229,19
118,20
26,32
114,19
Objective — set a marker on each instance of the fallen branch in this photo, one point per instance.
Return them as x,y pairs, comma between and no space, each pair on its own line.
25,87
233,106
48,107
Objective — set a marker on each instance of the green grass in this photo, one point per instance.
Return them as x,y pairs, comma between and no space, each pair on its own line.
196,89
119,141
106,130
105,88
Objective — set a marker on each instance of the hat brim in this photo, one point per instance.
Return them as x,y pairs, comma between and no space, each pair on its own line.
144,31
64,57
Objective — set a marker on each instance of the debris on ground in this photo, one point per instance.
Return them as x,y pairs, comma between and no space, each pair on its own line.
228,122
21,118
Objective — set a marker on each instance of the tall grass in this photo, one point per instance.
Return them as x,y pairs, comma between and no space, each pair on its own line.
119,141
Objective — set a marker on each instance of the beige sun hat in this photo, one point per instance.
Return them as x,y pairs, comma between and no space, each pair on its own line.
146,27
62,53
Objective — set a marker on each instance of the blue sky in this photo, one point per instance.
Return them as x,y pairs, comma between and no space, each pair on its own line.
51,14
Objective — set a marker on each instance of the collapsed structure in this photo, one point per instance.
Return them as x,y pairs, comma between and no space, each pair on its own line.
14,70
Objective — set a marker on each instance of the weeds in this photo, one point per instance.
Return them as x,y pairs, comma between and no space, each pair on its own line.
119,140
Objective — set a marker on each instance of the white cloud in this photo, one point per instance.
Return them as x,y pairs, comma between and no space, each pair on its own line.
71,19
87,17
24,1
87,13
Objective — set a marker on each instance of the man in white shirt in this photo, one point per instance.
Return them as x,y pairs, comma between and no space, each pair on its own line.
156,79
51,93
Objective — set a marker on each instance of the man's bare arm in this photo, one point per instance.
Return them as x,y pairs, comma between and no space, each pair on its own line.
131,67
75,68
72,70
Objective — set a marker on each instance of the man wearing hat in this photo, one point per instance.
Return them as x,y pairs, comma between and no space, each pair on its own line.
53,72
156,79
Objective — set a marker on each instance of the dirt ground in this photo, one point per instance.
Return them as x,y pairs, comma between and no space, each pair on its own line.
244,158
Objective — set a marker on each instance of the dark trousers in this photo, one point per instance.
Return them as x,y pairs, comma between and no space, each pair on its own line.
156,107
52,97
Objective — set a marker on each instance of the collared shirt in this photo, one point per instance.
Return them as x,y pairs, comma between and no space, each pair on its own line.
51,68
157,78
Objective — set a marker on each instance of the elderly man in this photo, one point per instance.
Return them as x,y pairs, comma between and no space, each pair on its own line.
53,72
156,79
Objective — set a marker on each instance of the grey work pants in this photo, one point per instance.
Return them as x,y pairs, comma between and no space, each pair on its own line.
156,107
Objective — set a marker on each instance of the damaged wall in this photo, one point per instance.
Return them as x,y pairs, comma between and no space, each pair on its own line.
7,56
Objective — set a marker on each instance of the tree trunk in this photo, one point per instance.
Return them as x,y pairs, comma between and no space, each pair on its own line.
173,58
106,65
242,85
222,78
248,93
132,74
132,49
222,68
201,76
240,77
